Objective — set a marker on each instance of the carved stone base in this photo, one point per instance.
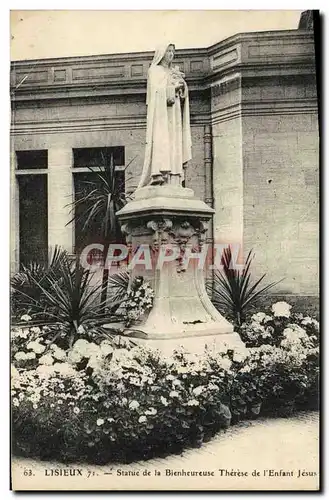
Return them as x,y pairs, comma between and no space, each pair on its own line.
168,217
196,344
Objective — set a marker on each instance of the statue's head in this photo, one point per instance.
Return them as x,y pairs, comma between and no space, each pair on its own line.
164,53
169,54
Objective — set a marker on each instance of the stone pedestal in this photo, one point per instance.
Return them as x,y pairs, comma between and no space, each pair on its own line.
166,226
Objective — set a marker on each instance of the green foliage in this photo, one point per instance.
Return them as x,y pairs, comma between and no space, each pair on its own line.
117,289
66,297
101,203
233,291
27,285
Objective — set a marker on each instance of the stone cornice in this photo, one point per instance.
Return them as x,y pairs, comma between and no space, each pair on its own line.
253,54
265,107
95,124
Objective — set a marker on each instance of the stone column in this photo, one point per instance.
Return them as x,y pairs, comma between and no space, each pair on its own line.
60,194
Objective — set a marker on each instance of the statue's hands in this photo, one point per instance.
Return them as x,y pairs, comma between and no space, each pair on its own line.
170,101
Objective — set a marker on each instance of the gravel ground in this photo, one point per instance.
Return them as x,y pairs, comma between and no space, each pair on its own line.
265,454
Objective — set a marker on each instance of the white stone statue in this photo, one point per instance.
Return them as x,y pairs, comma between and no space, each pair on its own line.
168,134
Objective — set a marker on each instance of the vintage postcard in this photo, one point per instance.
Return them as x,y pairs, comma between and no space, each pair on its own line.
164,250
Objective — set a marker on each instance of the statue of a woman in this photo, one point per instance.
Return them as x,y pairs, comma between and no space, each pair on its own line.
168,134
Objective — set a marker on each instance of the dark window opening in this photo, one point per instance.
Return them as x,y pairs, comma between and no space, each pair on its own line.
32,159
98,157
33,220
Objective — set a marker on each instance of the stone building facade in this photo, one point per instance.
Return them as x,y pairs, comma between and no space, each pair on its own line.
254,121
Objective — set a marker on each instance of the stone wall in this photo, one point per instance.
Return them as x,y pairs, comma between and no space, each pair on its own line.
281,185
255,140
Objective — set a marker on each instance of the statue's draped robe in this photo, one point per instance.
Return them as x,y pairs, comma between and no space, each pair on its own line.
168,134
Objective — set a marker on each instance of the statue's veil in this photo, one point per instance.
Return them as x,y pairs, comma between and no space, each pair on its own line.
160,52
158,55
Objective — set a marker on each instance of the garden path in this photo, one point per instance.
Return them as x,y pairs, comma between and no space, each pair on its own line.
282,444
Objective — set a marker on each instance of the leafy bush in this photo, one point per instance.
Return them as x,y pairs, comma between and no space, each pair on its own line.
103,401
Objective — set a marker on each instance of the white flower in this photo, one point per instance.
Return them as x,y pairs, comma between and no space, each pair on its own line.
34,398
35,406
20,355
133,405
47,359
81,329
60,402
45,371
193,402
142,419
36,347
58,353
151,411
15,402
170,377
94,361
26,317
281,309
81,344
245,369
74,356
164,401
30,355
309,321
239,357
106,348
173,394
225,363
110,419
258,317
76,410
64,369
100,422
182,369
198,390
35,329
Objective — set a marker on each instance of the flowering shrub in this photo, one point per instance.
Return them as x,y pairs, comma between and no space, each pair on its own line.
122,405
101,401
284,354
138,301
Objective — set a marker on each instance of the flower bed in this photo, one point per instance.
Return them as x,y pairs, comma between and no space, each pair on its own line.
103,402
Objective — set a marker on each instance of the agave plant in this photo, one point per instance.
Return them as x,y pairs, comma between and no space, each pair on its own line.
102,203
26,294
71,301
233,291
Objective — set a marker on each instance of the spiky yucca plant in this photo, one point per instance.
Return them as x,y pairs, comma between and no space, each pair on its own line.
233,291
70,301
26,294
102,203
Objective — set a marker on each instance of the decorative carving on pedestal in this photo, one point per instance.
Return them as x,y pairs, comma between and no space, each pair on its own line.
161,228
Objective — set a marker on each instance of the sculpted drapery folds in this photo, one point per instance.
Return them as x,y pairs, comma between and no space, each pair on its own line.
168,134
